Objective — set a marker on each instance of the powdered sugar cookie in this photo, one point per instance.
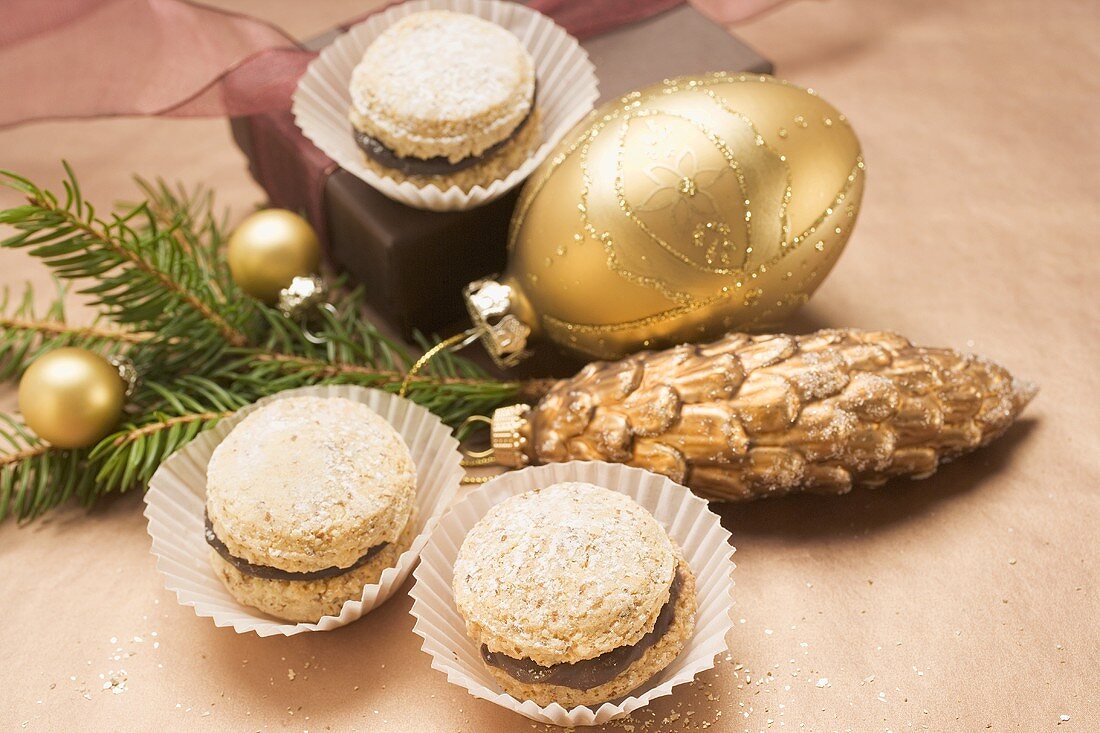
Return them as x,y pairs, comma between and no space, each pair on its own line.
308,499
446,98
574,593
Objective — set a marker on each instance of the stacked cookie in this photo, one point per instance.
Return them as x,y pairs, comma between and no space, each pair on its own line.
308,500
574,594
445,98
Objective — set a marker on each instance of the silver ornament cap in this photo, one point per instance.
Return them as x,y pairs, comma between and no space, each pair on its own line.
127,372
491,307
302,295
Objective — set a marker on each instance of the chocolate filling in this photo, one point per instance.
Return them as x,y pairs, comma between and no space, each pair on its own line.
266,572
439,165
588,673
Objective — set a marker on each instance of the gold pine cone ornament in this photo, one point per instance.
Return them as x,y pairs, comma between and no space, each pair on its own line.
676,213
753,416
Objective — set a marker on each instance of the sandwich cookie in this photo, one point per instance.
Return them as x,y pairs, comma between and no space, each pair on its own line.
308,500
574,594
445,98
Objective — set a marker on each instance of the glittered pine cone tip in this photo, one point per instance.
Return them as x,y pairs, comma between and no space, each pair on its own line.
753,416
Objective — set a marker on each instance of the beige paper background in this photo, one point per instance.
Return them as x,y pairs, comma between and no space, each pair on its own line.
965,602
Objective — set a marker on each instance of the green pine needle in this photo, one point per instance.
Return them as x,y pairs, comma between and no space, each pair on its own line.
132,454
35,477
138,268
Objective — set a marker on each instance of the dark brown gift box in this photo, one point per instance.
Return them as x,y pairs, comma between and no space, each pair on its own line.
415,263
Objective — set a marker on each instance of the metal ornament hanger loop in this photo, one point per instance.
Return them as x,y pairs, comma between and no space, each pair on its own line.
309,335
477,457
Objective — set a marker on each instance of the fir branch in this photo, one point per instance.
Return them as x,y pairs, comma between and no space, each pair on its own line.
144,277
132,455
348,337
453,399
356,352
323,369
60,328
136,434
199,231
32,451
26,333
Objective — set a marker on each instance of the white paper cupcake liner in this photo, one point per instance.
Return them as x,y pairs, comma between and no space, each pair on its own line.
686,518
567,90
177,497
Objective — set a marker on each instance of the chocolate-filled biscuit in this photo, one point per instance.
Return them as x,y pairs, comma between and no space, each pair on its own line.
574,594
445,98
308,499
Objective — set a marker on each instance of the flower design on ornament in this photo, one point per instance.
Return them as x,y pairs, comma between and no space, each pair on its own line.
684,188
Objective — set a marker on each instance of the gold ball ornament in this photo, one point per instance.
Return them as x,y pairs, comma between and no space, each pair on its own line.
269,249
676,213
71,397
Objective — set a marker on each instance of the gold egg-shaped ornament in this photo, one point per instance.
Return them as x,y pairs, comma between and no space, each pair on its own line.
269,249
71,397
676,213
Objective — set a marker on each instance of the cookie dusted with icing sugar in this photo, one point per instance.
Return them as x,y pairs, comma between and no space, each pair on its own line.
574,594
446,98
308,499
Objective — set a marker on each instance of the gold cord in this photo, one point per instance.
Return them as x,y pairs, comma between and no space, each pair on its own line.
458,341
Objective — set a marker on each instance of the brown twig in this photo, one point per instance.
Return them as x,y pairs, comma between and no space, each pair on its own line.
22,455
533,390
58,327
329,369
530,390
138,433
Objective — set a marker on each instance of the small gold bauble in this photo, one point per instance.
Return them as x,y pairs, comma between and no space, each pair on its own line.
71,397
269,249
678,212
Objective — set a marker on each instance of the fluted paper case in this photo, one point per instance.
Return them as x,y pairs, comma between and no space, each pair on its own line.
177,497
567,90
687,519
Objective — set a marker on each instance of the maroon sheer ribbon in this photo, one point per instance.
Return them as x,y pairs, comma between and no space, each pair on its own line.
178,58
95,58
